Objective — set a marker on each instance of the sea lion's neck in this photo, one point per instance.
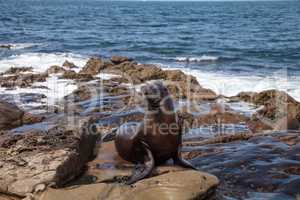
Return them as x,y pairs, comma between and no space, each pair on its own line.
165,105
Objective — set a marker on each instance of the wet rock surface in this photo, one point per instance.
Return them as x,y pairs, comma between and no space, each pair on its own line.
10,116
259,164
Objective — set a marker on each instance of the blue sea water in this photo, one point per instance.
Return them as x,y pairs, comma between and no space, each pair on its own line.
229,46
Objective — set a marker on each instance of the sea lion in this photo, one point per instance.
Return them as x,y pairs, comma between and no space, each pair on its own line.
156,139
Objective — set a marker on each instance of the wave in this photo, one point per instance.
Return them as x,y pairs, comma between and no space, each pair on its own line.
204,58
41,61
17,46
232,84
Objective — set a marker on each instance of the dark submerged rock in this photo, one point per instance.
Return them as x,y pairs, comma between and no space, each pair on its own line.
10,116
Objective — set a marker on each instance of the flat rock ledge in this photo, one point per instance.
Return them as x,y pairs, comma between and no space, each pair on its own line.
180,185
31,162
106,174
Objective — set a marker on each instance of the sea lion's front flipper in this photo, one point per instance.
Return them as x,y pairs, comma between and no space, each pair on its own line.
144,169
182,162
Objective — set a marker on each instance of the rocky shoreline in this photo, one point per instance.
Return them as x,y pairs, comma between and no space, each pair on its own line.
51,148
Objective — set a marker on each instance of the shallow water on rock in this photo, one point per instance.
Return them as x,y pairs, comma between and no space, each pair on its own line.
214,130
264,167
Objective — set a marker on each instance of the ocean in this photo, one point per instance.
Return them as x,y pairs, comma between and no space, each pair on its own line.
229,46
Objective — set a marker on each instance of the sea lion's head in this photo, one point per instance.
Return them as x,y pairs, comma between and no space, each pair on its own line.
154,92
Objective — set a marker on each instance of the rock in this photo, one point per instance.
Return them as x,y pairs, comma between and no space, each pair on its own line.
184,185
220,118
8,197
169,182
18,70
77,76
10,116
120,59
6,46
186,86
179,84
280,110
32,119
55,69
221,115
257,125
94,66
52,157
83,93
69,65
262,163
22,80
40,188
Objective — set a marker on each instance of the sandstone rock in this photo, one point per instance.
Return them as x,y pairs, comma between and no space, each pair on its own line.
257,125
220,115
77,76
120,59
187,86
168,183
221,118
94,66
8,197
52,158
81,94
55,69
32,119
69,65
10,116
17,70
184,185
21,80
179,84
280,110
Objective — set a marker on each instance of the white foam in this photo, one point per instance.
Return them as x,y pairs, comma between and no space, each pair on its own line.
107,76
41,61
58,88
24,45
204,58
18,46
231,84
54,89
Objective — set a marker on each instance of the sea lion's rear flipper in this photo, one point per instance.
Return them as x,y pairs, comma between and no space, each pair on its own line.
182,162
144,169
